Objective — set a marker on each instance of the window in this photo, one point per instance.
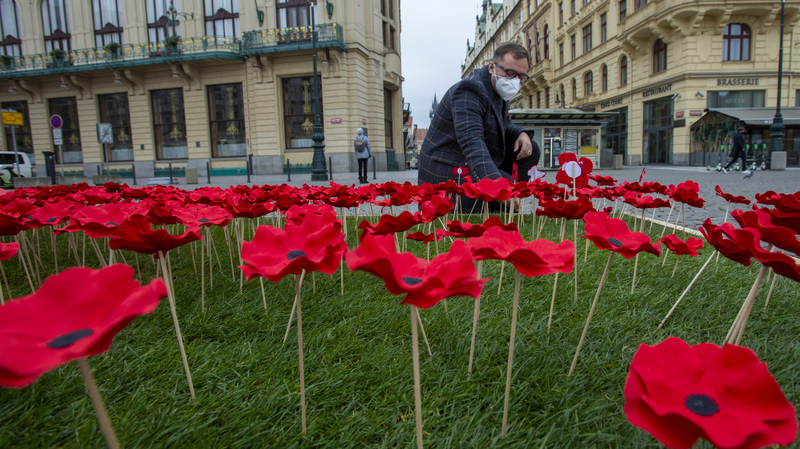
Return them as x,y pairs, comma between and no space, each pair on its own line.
546,42
298,111
391,9
603,28
11,44
388,113
114,110
736,99
530,102
169,124
387,8
55,23
547,97
605,78
572,49
588,81
623,10
560,13
67,108
226,108
538,100
623,71
659,56
586,2
736,42
638,4
574,89
572,7
222,18
22,134
530,7
388,35
563,97
587,38
561,53
296,13
107,22
157,20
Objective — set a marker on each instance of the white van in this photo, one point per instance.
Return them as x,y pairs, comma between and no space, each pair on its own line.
24,159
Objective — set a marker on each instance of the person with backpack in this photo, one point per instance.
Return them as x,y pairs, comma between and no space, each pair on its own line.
363,153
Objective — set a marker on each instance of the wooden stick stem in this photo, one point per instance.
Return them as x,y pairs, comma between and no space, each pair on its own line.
424,336
475,316
737,330
511,353
771,287
417,388
298,281
591,312
697,276
171,298
99,407
555,283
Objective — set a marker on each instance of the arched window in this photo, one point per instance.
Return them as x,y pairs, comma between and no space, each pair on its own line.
736,42
55,23
574,89
107,22
158,24
588,80
222,18
659,56
546,42
605,78
9,26
623,71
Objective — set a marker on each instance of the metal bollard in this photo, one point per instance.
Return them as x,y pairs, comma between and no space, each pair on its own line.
288,171
133,169
374,169
247,169
330,167
98,171
170,173
208,171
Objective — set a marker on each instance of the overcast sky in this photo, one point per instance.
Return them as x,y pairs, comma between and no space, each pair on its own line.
434,45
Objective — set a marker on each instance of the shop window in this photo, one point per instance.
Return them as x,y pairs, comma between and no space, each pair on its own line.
623,71
107,22
157,20
11,44
298,111
226,108
588,81
169,124
388,114
587,38
605,78
222,18
67,108
736,99
22,134
55,23
114,110
736,42
659,56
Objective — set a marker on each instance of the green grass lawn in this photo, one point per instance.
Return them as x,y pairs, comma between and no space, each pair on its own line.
359,382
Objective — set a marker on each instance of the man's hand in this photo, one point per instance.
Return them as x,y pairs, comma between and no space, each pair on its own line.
523,146
513,202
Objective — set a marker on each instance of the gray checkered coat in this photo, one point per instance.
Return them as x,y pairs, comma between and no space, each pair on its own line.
470,128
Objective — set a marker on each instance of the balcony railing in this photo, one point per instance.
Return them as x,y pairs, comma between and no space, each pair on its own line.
293,38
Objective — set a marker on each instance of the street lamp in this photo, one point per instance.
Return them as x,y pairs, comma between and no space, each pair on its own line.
172,12
777,123
319,171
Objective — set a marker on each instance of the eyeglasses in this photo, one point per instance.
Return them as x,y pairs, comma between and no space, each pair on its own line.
511,74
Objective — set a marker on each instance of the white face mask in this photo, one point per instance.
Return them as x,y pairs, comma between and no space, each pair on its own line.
505,87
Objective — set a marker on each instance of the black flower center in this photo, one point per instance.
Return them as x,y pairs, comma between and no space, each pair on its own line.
69,338
50,220
411,280
294,254
112,223
29,217
615,241
701,404
203,220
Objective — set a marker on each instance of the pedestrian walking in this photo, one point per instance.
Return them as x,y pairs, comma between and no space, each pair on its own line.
738,150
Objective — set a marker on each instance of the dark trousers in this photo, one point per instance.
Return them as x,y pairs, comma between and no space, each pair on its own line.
735,157
362,169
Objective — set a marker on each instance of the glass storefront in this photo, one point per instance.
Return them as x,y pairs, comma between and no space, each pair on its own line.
736,99
657,131
228,136
71,149
169,124
114,110
615,133
22,134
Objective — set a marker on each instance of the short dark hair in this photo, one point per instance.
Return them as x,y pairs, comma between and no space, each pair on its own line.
516,50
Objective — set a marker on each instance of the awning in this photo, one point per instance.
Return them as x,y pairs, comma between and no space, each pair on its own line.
750,116
559,118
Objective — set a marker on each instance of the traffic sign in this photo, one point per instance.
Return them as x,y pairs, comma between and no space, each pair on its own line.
13,118
57,137
104,134
55,121
58,141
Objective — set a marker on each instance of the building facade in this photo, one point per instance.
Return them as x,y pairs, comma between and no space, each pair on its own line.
199,83
659,64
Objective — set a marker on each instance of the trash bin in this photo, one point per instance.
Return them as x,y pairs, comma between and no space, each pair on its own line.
50,165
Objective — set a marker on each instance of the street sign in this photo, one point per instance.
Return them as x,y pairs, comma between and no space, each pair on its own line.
56,134
55,121
58,141
336,121
13,118
104,134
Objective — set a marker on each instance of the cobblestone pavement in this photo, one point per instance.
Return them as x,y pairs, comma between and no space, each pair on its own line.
733,182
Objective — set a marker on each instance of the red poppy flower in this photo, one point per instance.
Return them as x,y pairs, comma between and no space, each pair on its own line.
569,209
688,193
164,214
486,189
460,171
749,240
730,198
778,218
612,233
51,214
645,202
468,230
788,204
434,207
424,283
8,250
681,248
603,180
11,224
322,212
584,169
536,258
311,246
727,247
239,207
779,236
427,238
403,194
389,224
208,195
679,393
100,221
73,315
202,215
138,236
